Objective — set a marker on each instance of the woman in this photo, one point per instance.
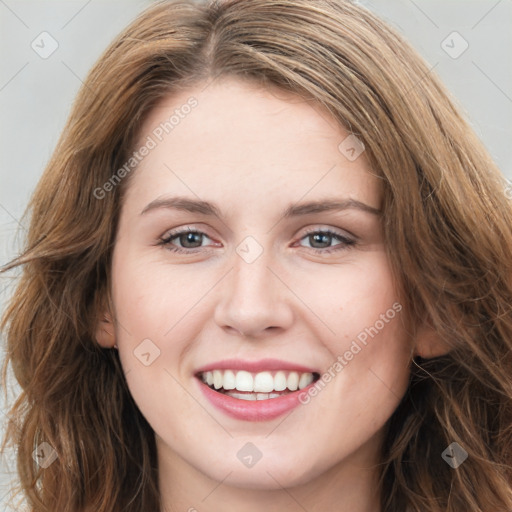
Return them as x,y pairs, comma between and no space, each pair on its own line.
337,335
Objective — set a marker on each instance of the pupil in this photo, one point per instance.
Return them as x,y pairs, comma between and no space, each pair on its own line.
189,238
318,236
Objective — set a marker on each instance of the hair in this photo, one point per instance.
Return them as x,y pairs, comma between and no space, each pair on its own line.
446,219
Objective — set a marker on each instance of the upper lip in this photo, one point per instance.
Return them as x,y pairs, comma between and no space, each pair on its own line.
255,366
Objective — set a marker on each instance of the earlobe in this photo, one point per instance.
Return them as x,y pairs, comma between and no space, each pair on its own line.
105,333
429,344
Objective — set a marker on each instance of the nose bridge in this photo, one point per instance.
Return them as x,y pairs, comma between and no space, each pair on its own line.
251,278
251,275
252,288
254,299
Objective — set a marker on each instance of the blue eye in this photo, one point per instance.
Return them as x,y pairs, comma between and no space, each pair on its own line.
187,238
191,241
326,236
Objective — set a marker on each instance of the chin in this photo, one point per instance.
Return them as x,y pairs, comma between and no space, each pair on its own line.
264,476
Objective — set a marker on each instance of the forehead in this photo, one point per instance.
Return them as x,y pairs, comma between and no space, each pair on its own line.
264,144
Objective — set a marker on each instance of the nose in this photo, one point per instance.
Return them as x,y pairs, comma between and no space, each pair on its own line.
254,301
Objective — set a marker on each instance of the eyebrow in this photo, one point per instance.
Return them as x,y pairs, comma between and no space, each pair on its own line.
294,210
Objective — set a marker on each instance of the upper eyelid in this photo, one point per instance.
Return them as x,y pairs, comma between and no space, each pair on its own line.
334,230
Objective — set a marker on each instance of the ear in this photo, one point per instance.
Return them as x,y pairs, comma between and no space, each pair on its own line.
428,343
105,333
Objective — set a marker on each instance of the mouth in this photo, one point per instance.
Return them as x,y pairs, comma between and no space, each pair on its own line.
253,386
249,390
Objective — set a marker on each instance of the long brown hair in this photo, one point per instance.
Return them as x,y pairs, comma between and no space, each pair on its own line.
447,225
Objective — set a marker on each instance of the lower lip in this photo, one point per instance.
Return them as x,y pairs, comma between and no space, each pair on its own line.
253,410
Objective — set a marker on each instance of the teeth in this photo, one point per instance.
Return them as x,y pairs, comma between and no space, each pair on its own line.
244,381
264,382
229,380
280,381
305,380
262,385
242,396
293,381
253,396
217,379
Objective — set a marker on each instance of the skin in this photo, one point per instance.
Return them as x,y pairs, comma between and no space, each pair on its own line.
253,152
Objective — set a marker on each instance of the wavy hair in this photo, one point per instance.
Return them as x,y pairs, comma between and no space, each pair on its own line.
447,226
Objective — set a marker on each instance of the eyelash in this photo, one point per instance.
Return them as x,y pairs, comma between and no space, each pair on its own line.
345,242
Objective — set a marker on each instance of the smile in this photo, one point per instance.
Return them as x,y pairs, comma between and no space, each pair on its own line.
254,390
265,385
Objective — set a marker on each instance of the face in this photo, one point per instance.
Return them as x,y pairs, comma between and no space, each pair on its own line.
225,271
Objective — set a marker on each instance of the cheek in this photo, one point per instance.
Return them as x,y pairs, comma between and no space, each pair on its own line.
150,297
369,351
352,298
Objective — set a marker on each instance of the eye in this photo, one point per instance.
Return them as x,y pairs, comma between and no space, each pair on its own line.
191,241
323,239
188,239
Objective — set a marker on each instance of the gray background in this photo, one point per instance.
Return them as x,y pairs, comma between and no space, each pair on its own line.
36,93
